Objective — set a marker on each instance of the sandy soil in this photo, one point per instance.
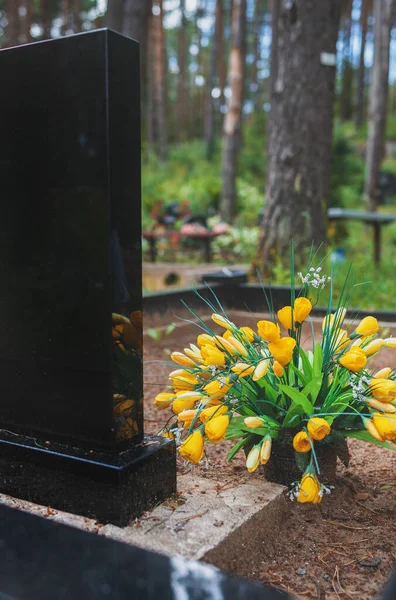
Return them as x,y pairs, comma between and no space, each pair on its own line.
343,548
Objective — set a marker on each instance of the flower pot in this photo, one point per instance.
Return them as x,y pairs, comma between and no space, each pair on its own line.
282,467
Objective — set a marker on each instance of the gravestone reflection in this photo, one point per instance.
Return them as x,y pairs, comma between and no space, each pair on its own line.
70,268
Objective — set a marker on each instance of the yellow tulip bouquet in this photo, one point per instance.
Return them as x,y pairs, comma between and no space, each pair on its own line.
261,388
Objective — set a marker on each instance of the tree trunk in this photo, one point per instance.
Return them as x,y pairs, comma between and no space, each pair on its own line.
159,78
46,19
115,14
300,132
76,16
364,12
275,12
183,91
232,121
378,98
220,43
345,108
13,22
210,84
26,22
65,16
259,14
135,25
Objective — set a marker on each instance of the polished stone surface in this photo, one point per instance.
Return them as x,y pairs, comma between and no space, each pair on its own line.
113,488
42,560
71,377
70,241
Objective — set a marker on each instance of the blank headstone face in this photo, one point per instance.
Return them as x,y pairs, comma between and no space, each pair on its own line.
70,240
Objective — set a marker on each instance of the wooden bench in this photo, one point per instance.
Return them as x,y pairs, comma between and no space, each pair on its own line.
205,237
375,219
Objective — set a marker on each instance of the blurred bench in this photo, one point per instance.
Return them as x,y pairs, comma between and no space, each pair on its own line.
204,237
375,219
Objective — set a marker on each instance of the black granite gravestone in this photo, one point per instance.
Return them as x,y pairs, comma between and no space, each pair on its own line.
71,410
43,560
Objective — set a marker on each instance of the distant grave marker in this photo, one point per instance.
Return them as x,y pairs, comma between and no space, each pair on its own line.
71,409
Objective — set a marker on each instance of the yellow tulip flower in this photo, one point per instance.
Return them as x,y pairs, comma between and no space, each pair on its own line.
390,342
253,459
282,350
242,369
247,333
265,450
373,347
301,442
385,407
269,331
181,404
223,322
385,425
261,370
367,326
277,369
383,389
309,489
181,359
225,344
354,359
238,346
187,417
183,380
192,448
302,309
369,425
168,434
204,339
216,428
194,352
253,422
164,400
318,428
285,317
218,388
342,340
215,411
212,355
383,373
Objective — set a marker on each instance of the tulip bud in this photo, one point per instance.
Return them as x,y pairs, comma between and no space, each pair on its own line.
373,347
180,359
253,459
261,370
253,422
223,322
242,369
265,451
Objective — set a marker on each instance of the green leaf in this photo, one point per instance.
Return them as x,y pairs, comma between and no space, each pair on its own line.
306,364
169,329
292,416
153,333
312,389
297,397
317,360
256,430
269,390
365,436
340,403
302,460
300,376
237,447
341,446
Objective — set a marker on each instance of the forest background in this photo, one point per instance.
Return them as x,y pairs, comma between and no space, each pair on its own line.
258,113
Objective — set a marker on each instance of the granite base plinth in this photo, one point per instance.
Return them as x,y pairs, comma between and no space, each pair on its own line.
112,488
